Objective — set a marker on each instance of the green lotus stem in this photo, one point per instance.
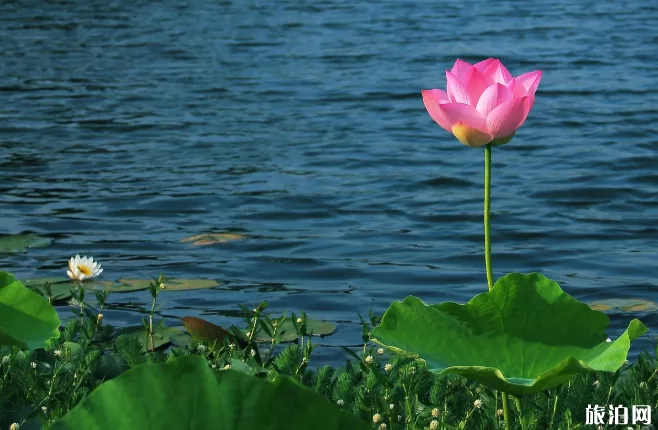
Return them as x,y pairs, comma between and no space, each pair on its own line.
487,215
550,424
506,414
519,408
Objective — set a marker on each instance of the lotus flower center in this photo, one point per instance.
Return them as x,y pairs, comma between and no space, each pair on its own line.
85,270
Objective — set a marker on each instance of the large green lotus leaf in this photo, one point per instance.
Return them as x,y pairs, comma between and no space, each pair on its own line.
173,284
26,319
12,243
187,394
524,336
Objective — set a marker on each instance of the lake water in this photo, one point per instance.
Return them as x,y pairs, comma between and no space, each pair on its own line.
126,126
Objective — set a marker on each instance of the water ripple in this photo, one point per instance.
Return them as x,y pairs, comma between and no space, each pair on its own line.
127,126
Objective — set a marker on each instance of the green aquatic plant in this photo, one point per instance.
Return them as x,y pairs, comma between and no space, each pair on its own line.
518,338
59,289
187,393
525,335
400,392
26,319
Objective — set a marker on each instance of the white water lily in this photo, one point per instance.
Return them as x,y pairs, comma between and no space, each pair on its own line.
83,268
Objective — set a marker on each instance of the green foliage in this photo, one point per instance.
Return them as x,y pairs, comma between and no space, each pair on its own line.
37,387
523,337
47,383
26,319
162,337
186,393
59,290
288,329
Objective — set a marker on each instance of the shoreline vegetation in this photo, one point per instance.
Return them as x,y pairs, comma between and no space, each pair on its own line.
383,390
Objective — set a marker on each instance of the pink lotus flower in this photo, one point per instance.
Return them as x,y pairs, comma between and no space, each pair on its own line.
483,103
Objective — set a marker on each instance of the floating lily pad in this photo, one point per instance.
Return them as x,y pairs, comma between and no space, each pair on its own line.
173,284
206,239
178,336
61,288
12,243
524,336
59,293
163,336
160,340
40,282
26,319
288,334
186,394
625,305
119,287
